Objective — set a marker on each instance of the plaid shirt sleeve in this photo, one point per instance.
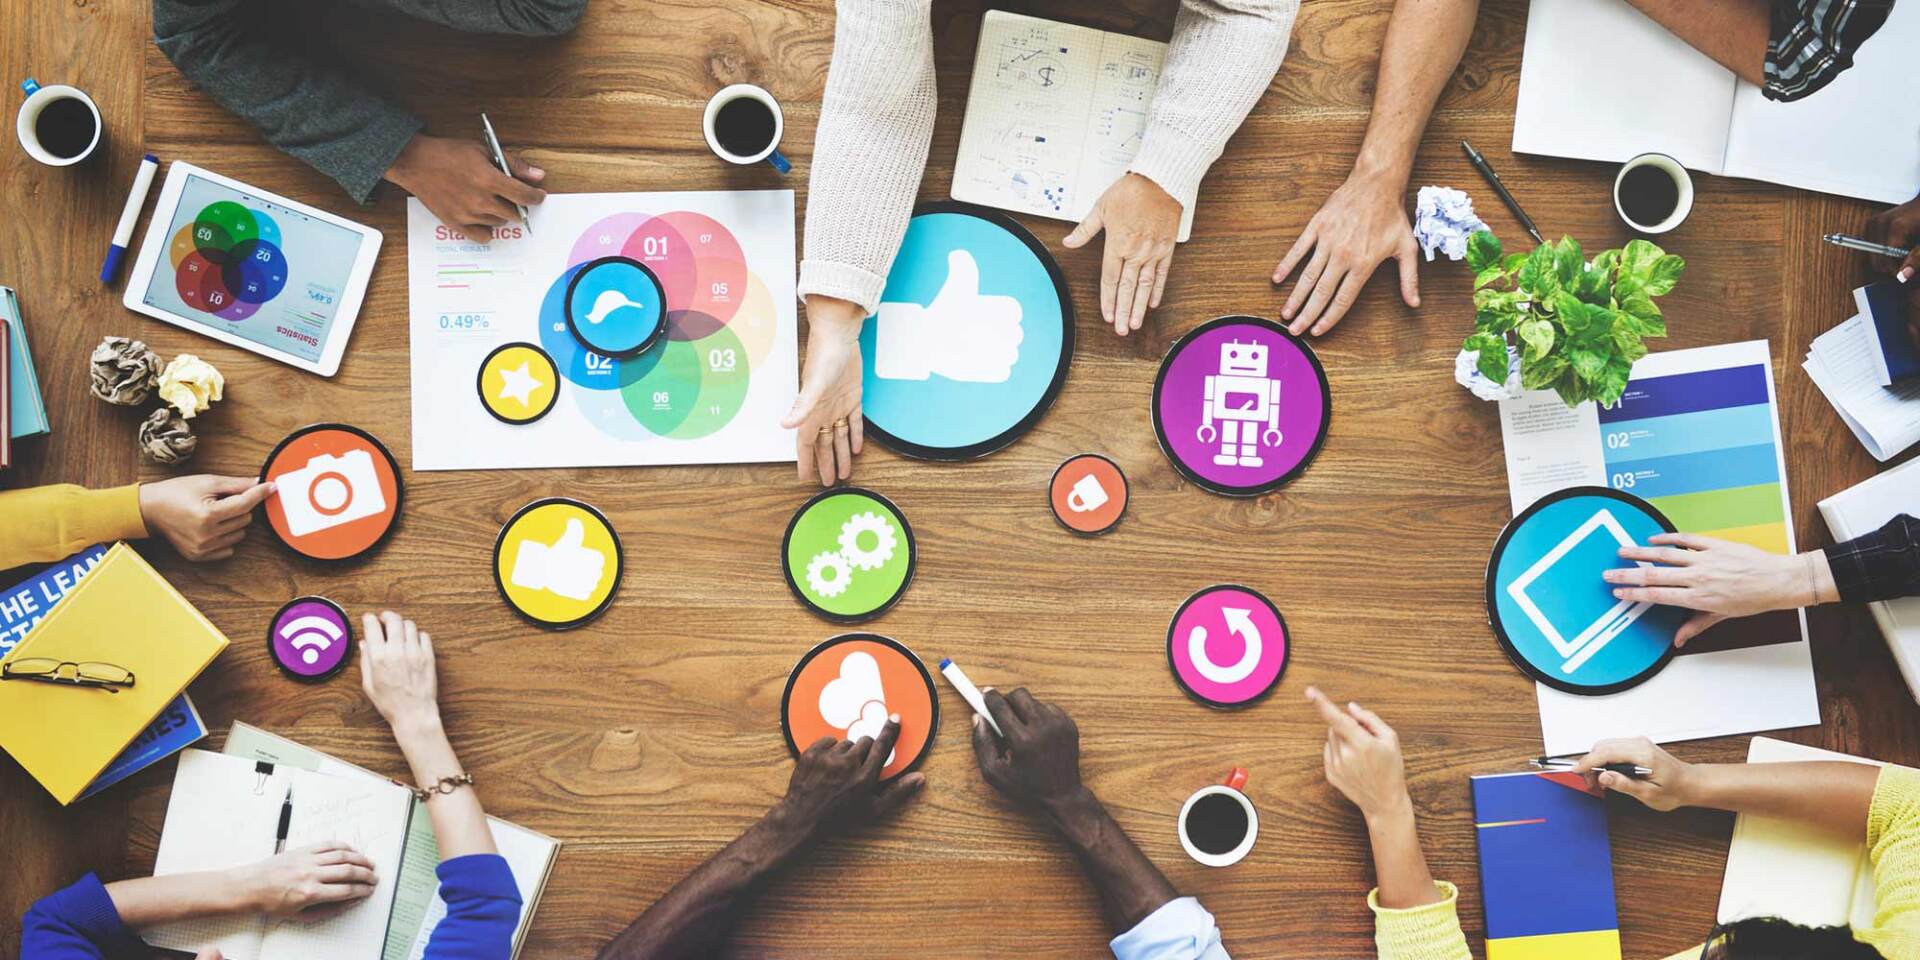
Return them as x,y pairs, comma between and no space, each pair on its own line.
1811,42
1882,565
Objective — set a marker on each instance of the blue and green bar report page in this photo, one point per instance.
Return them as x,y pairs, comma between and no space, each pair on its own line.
1697,435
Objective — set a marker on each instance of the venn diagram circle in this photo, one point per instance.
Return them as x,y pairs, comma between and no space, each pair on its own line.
720,326
228,260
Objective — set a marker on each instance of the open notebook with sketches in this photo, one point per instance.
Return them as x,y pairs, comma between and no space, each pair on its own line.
1780,868
1601,81
1055,114
417,907
225,811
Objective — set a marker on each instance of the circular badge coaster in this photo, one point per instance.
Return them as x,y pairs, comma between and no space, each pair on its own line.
1227,646
848,554
310,639
1088,494
616,307
338,491
1241,406
1553,614
972,339
845,688
557,562
518,383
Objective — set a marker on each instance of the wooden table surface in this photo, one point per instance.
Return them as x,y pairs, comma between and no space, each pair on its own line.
1375,554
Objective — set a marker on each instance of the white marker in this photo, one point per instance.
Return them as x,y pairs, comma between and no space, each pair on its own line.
129,214
968,692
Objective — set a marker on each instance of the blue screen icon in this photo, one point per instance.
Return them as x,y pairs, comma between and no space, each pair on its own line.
616,307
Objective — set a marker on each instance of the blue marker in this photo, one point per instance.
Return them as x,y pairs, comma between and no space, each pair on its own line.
123,234
968,692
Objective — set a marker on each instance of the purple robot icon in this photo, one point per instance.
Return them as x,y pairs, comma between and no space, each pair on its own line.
1242,398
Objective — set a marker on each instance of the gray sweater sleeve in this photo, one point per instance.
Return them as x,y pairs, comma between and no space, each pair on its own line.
315,114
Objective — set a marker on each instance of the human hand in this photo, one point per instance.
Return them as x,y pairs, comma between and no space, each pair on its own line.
1900,227
1036,758
827,411
1142,222
459,183
1670,784
203,516
397,672
1719,579
304,882
210,953
1363,223
1362,757
836,783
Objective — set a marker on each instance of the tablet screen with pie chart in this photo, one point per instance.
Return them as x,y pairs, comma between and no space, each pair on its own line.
847,686
972,339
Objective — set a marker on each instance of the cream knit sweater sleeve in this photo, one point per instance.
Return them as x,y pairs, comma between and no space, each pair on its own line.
876,121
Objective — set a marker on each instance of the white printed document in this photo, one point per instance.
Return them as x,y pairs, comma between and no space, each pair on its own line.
712,389
1055,114
1697,435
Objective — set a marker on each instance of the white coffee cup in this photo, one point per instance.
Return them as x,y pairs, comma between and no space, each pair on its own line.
1231,790
1682,181
1087,494
38,97
771,152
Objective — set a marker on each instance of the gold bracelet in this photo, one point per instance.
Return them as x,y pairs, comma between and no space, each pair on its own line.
444,785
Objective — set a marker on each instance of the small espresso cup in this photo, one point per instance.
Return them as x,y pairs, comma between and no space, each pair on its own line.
1218,823
1641,168
744,109
1087,495
27,125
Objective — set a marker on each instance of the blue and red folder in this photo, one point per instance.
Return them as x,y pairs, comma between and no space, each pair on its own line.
1546,868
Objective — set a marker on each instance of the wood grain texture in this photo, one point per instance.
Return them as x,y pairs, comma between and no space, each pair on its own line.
1374,555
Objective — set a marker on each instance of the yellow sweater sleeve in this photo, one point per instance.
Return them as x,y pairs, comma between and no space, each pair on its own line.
1430,932
1893,844
41,524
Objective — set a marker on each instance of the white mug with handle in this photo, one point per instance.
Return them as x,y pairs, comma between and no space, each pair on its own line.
756,152
26,124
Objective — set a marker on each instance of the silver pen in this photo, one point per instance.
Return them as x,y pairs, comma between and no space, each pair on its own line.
500,159
1630,770
1865,246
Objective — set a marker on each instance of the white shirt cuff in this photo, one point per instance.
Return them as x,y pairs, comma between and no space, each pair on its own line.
1180,930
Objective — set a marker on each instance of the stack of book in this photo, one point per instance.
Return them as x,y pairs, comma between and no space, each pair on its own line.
22,412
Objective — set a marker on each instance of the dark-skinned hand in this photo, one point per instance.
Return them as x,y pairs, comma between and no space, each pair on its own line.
458,181
836,783
1900,227
1036,760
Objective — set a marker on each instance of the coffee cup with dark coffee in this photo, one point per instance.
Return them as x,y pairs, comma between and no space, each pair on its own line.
1218,823
1653,193
743,125
58,125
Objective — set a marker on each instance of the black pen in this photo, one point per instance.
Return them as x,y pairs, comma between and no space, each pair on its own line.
1500,189
1632,771
286,817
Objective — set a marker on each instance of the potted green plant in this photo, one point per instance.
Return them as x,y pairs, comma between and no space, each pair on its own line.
1572,325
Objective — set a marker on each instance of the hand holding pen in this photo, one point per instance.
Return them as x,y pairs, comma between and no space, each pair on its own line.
1617,764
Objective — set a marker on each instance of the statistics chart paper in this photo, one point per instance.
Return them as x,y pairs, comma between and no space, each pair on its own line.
712,390
1697,434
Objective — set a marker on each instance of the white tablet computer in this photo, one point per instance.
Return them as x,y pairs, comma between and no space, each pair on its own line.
252,269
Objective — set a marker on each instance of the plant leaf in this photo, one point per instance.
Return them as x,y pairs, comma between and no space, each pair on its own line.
1664,273
1587,362
1545,371
1536,337
1568,309
1495,320
1592,286
1492,361
1489,275
1568,261
1639,255
1483,251
1537,274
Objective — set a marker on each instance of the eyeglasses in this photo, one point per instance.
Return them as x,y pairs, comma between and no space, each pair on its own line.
103,676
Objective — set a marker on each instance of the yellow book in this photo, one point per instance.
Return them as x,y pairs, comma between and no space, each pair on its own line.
123,614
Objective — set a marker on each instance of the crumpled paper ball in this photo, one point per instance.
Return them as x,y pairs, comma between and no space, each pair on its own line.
124,371
166,437
1443,219
190,385
1466,372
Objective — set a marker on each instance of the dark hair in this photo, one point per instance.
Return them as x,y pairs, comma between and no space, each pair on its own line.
1771,938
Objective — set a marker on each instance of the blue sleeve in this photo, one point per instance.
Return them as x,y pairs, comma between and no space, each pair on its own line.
483,910
1180,930
77,923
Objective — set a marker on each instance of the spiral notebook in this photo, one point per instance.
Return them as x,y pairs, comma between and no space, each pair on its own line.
225,811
